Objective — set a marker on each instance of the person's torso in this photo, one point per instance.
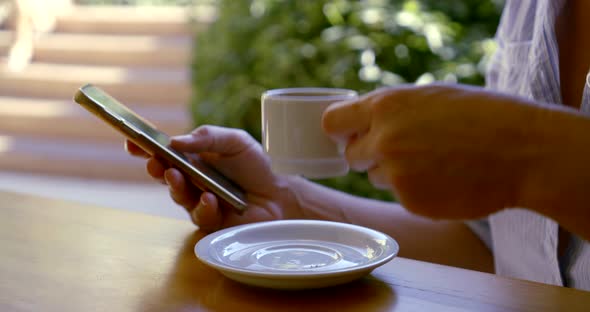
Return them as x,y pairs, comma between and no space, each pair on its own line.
532,62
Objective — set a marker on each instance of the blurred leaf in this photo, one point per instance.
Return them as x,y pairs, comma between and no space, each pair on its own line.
136,2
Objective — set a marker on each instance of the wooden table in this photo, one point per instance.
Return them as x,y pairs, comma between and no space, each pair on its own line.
64,256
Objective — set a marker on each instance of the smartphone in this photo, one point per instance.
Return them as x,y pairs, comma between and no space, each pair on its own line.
145,135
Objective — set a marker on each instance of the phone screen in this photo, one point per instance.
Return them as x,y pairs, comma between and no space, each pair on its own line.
205,176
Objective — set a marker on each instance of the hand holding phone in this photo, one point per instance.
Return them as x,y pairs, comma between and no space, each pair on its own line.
156,143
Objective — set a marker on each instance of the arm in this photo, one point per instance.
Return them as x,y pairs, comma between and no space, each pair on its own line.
557,183
460,152
271,197
443,242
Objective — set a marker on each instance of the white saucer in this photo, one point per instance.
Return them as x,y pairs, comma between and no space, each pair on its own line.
296,254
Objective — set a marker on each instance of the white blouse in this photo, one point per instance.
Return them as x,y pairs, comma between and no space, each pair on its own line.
526,63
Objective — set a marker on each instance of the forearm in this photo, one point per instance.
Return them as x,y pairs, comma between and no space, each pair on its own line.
558,179
444,242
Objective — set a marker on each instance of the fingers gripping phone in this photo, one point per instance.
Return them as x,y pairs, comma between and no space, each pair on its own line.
156,143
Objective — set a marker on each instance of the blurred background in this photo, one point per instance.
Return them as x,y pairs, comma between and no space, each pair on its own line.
185,63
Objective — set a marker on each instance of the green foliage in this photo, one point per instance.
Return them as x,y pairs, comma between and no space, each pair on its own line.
256,45
135,2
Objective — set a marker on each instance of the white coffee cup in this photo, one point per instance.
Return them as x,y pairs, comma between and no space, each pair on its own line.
292,132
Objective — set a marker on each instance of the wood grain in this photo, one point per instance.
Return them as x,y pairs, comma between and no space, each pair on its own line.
64,256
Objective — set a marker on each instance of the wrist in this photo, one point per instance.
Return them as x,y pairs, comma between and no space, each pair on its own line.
558,172
291,188
316,202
